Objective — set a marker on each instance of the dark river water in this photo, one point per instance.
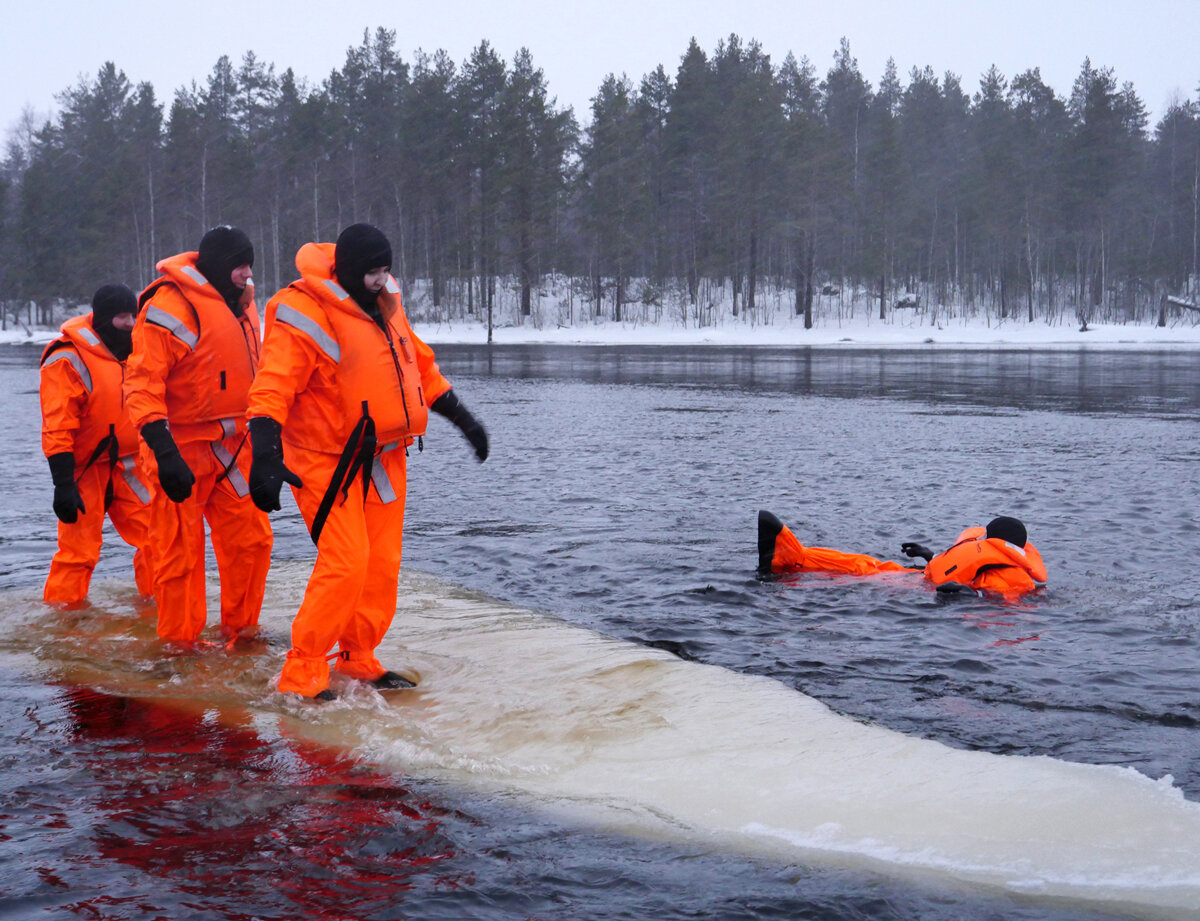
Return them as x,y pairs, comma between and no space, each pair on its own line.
622,495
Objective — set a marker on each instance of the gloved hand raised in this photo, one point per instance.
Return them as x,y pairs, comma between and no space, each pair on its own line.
67,501
268,473
448,405
174,474
913,549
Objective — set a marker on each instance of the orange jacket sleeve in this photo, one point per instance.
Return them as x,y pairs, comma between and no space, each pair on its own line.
155,352
64,399
432,381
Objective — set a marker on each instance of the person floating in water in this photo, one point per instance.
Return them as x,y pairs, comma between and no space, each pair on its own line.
997,558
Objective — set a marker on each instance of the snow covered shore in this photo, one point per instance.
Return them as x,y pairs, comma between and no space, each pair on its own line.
902,331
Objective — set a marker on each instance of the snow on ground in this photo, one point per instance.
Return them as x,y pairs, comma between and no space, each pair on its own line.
903,330
899,333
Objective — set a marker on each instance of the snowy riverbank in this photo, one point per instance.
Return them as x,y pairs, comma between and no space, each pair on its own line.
902,331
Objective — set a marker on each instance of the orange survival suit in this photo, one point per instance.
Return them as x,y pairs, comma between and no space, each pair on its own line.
973,560
84,414
332,376
988,564
192,364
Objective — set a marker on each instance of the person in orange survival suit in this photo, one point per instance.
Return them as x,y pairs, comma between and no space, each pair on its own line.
997,558
92,446
195,352
342,392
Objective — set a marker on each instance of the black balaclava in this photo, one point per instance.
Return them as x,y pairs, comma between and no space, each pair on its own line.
360,248
107,302
222,250
1009,529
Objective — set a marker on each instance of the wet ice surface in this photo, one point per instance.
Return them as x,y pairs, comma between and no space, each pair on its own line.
625,492
622,494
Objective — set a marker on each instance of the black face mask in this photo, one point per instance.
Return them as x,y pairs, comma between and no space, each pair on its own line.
224,286
222,250
358,291
359,249
117,341
108,302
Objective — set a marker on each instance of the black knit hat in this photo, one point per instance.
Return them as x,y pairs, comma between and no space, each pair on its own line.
110,300
222,250
1008,529
360,248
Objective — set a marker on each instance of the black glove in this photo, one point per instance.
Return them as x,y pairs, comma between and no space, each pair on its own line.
447,405
67,502
912,549
267,470
953,588
174,474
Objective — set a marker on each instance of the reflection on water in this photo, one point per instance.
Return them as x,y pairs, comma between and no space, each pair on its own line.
206,804
1078,380
622,494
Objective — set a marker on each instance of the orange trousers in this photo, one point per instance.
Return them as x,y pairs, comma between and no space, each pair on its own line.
351,595
793,556
241,542
79,543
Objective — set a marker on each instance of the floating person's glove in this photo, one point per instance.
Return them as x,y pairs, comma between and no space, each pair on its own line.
909,548
268,473
953,588
67,501
448,405
174,474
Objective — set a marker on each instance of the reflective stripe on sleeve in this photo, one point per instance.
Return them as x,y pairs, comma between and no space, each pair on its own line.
171,324
290,316
76,362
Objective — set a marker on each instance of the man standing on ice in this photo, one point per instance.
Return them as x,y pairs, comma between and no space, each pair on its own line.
195,352
92,446
344,389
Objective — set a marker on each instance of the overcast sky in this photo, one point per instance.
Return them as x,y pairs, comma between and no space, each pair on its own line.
49,44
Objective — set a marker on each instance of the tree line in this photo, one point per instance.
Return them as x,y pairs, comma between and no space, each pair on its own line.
732,185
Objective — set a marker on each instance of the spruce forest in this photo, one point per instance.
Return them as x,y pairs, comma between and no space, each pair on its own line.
731,188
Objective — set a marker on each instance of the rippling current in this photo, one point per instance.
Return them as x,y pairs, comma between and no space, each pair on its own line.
622,495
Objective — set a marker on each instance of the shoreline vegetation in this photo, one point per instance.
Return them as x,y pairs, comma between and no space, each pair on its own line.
726,190
562,317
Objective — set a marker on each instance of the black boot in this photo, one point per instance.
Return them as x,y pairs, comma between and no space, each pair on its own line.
391,681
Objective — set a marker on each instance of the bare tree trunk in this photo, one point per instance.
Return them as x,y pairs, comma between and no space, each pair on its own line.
1195,226
800,277
1029,261
147,269
526,273
753,274
810,265
204,188
316,202
275,244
